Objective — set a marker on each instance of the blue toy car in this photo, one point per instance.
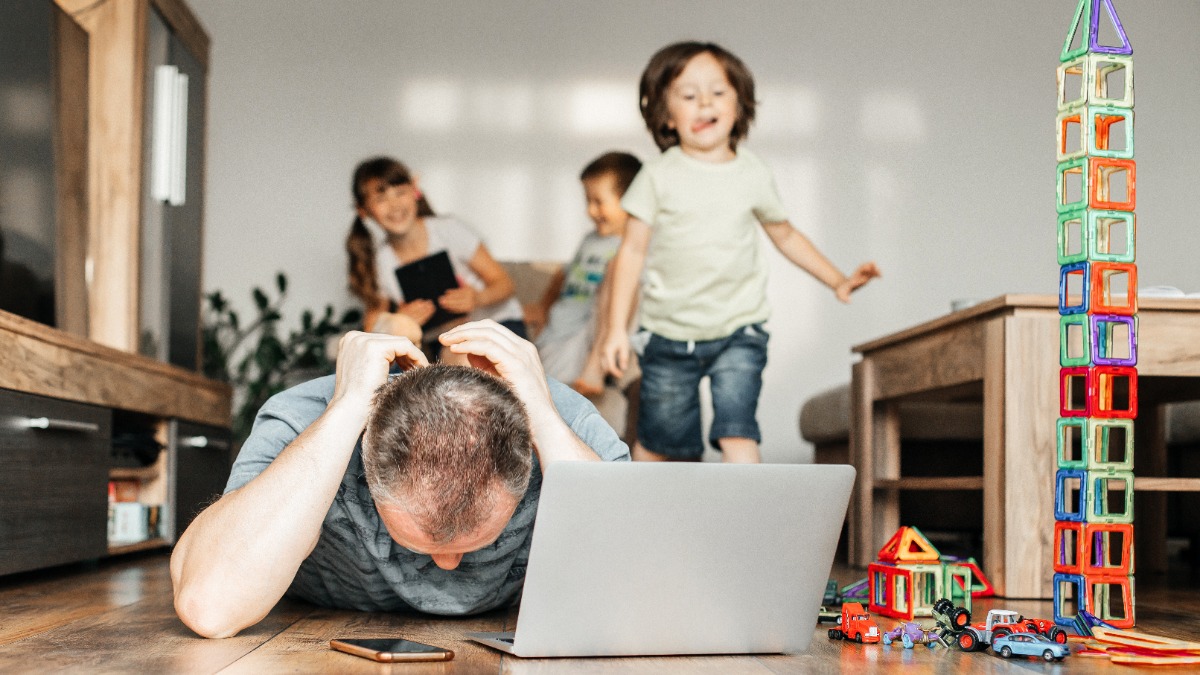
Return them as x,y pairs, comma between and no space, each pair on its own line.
1030,644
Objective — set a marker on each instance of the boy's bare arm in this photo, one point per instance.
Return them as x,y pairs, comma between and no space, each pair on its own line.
797,248
236,560
626,268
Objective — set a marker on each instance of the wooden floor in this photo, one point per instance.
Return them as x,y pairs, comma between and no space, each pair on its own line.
116,617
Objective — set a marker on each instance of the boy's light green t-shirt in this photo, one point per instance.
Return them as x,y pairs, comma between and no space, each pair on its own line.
705,274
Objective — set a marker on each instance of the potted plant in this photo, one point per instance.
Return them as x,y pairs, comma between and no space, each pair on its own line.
256,360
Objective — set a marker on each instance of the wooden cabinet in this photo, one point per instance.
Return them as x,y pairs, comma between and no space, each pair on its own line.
138,299
199,468
53,481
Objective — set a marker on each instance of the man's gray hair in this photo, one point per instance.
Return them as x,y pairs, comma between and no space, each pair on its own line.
439,440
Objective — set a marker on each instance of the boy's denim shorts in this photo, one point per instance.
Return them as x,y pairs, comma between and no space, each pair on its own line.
669,413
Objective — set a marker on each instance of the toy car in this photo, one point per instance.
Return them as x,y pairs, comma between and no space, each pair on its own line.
1002,622
1030,644
855,624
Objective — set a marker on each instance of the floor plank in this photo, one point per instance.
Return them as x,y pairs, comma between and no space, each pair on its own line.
304,647
117,617
36,603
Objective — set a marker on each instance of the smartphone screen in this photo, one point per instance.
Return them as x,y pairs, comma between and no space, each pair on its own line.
391,649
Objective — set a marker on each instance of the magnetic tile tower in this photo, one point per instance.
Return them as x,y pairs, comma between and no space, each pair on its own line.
1097,302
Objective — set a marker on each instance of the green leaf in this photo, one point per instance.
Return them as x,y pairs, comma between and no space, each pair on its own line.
281,282
306,320
260,299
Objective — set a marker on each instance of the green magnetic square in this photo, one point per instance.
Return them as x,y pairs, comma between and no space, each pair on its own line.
1098,501
1081,132
1074,340
1091,135
1075,165
1099,67
1100,239
1074,237
1072,430
1071,98
1109,445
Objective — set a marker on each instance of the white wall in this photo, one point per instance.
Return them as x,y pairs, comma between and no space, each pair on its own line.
919,134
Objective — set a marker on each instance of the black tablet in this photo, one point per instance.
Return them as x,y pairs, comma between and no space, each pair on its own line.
427,279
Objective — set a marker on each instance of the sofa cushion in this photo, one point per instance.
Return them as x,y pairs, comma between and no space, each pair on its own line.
825,418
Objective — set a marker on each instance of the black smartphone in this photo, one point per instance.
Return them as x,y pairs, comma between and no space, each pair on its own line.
391,650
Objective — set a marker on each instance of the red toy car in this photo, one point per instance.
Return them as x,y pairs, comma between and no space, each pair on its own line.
855,624
1002,622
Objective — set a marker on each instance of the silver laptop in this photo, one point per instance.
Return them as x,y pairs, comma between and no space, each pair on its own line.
665,558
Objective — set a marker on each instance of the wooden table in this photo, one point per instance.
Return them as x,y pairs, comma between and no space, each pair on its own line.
1005,352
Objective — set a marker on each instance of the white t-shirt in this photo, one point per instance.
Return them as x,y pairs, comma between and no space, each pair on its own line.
705,273
448,234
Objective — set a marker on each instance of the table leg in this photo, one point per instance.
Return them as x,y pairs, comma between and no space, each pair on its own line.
1020,409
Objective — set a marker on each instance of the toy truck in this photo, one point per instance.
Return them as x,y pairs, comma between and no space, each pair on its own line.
1001,622
855,624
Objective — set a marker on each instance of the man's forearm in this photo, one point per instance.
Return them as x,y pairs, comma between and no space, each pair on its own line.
554,440
239,556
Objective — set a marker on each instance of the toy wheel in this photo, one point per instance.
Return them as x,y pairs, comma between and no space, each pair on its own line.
835,634
960,617
1006,652
858,638
1000,632
967,642
1058,635
1047,655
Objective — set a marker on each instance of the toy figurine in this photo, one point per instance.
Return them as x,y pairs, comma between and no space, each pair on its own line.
911,633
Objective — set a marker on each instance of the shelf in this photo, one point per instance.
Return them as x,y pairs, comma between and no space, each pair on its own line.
931,483
142,473
156,542
1152,484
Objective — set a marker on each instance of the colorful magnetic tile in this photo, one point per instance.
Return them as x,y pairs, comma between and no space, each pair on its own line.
1068,547
1112,392
1113,288
1109,80
1109,497
1101,8
1074,288
890,591
1073,233
1103,172
1073,441
1114,340
1072,134
1109,444
1074,340
1097,135
1108,549
1073,83
1070,495
1081,29
1075,391
1070,598
1110,598
1073,180
1110,236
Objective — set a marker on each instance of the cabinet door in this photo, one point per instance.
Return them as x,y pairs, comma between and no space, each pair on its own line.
53,481
199,469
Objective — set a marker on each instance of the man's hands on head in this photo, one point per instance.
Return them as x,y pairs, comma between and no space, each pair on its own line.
495,349
363,362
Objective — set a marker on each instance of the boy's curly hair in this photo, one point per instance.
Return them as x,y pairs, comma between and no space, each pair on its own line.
666,65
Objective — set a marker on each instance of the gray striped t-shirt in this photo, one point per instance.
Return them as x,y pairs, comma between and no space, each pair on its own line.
357,565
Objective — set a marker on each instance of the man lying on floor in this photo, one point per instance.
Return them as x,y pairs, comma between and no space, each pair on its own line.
367,491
